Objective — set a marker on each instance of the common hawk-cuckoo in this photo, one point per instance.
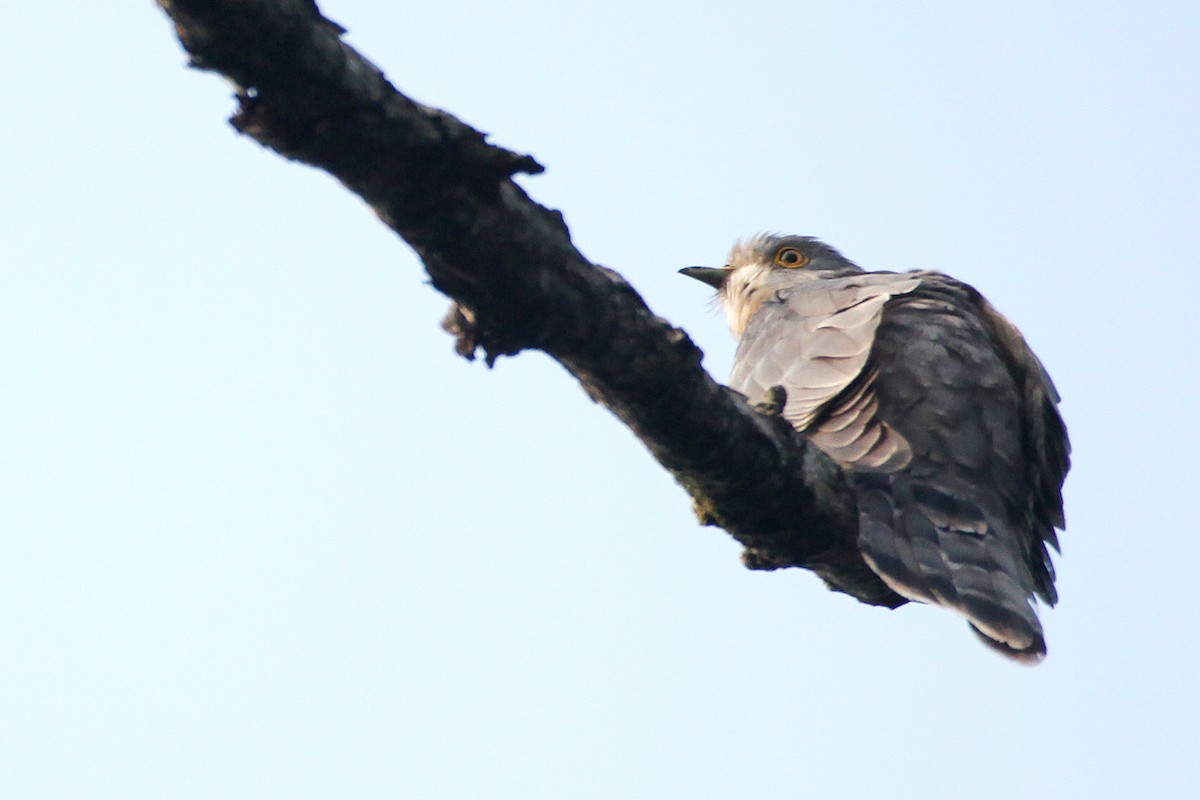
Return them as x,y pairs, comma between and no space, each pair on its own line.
943,419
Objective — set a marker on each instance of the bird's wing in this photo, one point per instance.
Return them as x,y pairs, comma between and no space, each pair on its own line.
965,523
936,408
1047,447
814,340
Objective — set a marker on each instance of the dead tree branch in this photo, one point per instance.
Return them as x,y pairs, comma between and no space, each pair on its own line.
517,282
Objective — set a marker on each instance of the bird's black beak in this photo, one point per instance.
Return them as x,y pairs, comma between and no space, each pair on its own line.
713,276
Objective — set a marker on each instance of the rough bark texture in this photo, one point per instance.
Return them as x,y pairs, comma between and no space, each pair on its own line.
517,281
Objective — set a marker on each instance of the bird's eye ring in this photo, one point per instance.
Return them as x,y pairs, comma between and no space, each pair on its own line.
790,257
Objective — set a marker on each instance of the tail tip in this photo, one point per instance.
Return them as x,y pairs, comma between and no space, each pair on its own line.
1031,654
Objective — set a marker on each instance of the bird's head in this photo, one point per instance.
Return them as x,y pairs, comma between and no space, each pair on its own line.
764,264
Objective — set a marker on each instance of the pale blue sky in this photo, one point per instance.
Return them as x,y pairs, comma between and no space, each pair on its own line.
264,536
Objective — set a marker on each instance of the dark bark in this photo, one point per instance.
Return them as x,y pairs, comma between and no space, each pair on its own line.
517,281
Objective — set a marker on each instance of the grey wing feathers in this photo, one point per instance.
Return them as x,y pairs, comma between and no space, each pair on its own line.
966,524
830,327
947,425
1048,450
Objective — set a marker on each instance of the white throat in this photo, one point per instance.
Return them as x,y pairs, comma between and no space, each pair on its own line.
744,292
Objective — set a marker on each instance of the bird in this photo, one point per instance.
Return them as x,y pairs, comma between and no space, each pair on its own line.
934,406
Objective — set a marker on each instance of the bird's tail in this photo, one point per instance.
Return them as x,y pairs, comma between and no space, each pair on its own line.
1031,654
933,546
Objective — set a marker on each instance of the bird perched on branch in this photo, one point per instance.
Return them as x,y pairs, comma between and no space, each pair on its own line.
943,419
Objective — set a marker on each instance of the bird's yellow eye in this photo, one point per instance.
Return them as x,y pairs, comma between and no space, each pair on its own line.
790,257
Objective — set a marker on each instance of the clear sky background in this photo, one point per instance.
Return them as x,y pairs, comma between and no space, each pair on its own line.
264,536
